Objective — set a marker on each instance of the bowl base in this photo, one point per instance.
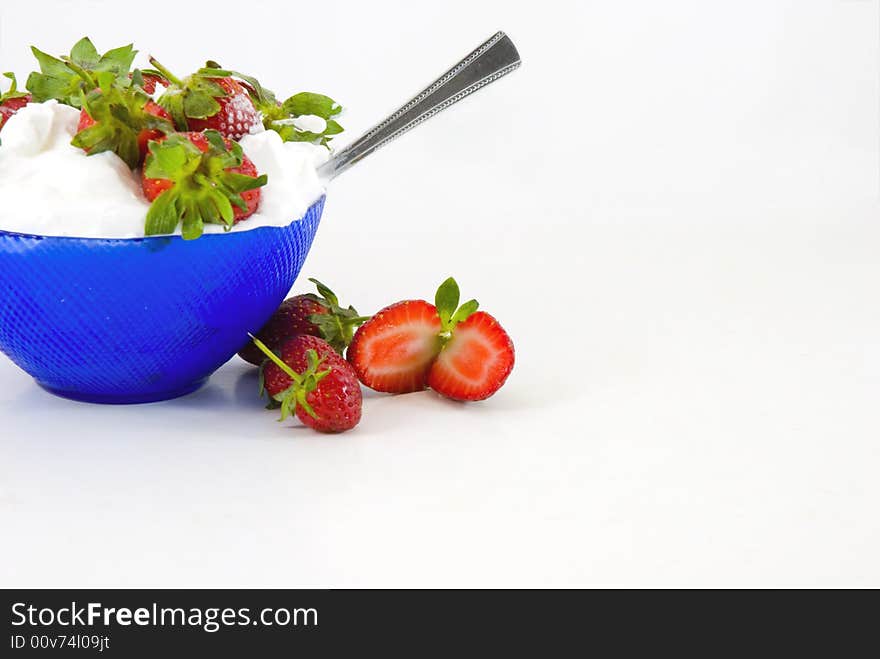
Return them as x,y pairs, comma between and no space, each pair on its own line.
124,399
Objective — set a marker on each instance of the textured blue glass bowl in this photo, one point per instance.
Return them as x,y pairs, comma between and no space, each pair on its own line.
146,319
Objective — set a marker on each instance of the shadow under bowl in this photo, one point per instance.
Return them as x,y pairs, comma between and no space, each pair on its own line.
143,319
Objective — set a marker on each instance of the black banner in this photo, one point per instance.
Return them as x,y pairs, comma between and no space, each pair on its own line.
135,623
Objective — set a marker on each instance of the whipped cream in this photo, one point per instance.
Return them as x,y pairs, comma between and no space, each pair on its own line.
51,188
310,123
305,123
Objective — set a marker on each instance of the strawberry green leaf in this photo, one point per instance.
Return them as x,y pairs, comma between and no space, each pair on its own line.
66,79
337,326
259,94
215,139
328,295
137,78
162,215
310,103
464,311
450,313
272,404
333,128
446,300
300,401
193,222
56,81
85,53
117,61
105,80
51,66
173,101
200,98
286,410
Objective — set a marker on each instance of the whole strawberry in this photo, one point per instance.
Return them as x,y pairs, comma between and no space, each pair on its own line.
122,119
12,100
308,378
197,179
459,352
316,315
208,101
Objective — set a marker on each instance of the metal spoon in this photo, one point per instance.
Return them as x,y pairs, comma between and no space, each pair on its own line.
489,62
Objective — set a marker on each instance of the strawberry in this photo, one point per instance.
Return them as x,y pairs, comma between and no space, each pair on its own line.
476,354
198,178
459,352
475,360
393,350
12,101
317,315
283,116
310,379
208,101
121,119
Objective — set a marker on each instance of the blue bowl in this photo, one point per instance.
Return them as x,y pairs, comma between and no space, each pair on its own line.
144,319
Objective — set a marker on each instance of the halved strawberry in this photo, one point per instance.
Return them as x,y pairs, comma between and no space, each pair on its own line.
475,360
197,179
459,352
392,351
205,101
12,100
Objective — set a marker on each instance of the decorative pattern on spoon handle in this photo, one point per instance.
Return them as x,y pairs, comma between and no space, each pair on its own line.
489,62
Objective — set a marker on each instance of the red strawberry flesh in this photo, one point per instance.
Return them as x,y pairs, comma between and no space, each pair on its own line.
475,362
392,351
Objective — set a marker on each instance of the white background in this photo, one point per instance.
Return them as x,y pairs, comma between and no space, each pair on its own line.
672,207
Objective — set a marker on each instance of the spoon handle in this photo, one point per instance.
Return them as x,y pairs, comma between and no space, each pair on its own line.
490,61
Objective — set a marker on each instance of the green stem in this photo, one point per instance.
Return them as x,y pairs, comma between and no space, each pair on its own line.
12,88
170,77
81,72
275,358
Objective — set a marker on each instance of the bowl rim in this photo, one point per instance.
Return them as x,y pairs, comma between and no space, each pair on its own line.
167,236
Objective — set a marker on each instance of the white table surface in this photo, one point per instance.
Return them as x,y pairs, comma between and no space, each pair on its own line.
680,228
